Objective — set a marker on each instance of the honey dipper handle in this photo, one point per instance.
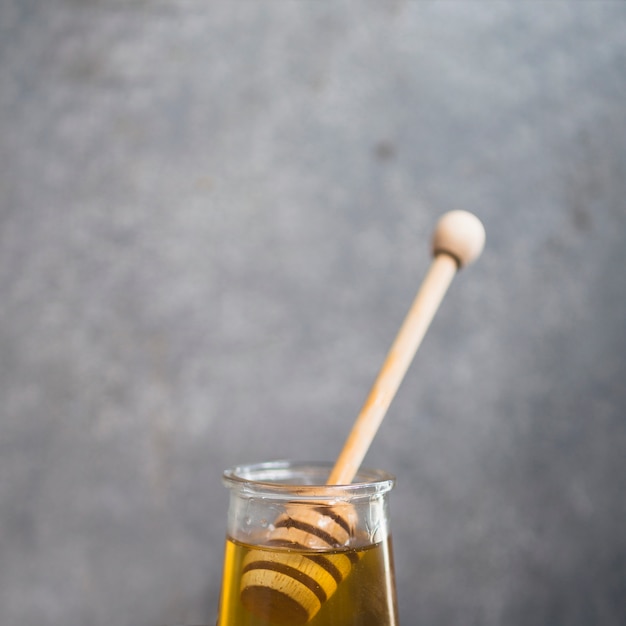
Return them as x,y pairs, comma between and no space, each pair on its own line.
458,240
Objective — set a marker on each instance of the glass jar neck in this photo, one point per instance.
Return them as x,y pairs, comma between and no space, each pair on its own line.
284,500
293,481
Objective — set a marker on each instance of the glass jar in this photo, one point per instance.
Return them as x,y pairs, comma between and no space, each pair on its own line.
299,551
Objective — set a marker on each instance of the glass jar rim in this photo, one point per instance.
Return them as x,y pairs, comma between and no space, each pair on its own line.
304,480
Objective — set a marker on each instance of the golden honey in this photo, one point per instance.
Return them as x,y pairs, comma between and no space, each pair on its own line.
343,587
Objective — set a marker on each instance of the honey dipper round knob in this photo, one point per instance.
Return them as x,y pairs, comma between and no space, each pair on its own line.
288,588
461,235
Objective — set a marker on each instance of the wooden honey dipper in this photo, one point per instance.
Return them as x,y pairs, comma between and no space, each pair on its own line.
288,588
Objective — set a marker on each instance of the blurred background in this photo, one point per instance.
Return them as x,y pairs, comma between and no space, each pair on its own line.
214,217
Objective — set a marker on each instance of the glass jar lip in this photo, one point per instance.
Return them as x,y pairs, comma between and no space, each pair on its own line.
302,480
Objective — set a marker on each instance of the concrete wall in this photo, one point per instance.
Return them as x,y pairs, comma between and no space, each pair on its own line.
214,217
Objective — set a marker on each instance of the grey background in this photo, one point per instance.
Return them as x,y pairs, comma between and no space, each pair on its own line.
214,218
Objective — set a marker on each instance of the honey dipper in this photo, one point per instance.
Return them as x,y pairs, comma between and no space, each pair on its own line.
288,588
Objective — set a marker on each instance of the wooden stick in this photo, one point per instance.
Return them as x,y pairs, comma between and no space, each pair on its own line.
458,240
